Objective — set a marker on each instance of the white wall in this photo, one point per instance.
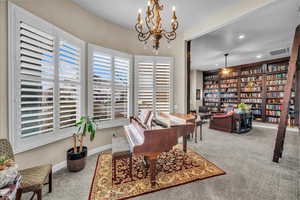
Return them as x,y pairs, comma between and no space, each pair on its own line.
196,79
70,17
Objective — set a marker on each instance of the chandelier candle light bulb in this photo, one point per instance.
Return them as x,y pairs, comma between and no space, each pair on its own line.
154,29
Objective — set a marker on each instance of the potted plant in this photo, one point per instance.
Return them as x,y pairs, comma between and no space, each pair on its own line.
242,108
76,156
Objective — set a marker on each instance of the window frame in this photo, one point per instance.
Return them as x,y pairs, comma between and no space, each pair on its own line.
154,59
23,143
113,53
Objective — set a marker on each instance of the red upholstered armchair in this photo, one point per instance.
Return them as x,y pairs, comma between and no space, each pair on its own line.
222,122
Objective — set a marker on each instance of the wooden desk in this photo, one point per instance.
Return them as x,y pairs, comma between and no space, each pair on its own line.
184,123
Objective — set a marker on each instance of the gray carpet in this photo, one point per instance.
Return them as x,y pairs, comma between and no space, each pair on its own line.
246,159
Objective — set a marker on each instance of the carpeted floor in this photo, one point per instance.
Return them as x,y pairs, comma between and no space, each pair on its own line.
250,173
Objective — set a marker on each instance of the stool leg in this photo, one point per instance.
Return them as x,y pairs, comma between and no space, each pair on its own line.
201,132
50,182
39,194
115,169
196,130
19,194
130,166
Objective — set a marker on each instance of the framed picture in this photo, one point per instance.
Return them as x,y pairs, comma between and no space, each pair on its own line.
198,94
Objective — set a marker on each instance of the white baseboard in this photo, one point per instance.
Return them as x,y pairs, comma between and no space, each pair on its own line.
96,150
275,127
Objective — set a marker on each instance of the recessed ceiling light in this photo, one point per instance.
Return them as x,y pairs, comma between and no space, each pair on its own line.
241,36
259,56
217,64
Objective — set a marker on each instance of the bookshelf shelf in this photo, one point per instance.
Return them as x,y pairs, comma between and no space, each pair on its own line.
260,85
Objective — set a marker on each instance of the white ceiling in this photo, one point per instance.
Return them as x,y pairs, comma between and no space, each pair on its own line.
267,29
124,12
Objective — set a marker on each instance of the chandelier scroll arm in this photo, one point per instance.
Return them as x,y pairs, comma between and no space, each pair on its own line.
169,35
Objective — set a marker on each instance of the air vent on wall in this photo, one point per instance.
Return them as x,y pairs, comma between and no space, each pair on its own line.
279,51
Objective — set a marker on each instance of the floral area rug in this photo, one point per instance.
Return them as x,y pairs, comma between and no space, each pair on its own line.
173,168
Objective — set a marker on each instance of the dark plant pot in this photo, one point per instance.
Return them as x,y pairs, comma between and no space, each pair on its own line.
76,161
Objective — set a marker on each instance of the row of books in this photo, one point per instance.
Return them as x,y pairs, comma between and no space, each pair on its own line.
230,101
249,95
275,94
274,101
211,90
276,88
211,77
229,104
229,81
211,100
253,84
251,78
210,95
252,71
229,95
276,76
273,113
251,89
211,104
228,85
277,67
210,82
277,82
273,107
211,86
251,100
229,90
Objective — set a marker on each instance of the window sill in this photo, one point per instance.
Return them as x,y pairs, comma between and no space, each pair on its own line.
22,144
112,123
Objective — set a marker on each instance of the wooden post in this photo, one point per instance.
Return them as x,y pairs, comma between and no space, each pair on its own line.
287,96
297,97
188,72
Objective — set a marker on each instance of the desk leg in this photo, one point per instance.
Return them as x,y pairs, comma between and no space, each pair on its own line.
184,142
152,171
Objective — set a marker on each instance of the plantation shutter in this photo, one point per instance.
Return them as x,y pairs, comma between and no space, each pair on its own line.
121,87
102,86
109,86
145,98
45,81
163,86
69,84
153,83
36,80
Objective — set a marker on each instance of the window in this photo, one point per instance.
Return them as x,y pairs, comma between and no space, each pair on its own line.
154,83
109,86
45,81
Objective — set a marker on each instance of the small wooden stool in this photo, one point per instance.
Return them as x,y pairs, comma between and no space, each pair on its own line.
120,150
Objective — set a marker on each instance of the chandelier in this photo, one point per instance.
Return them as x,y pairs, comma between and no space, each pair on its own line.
154,29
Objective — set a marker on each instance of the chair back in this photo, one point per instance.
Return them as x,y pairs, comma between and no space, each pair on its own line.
203,109
6,149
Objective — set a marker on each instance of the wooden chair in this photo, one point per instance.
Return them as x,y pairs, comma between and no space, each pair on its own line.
33,178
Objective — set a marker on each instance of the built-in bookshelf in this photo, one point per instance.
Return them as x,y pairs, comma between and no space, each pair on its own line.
252,79
259,85
276,79
229,89
211,91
